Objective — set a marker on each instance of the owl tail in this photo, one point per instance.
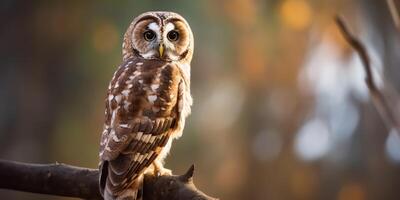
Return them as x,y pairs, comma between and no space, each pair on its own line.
134,193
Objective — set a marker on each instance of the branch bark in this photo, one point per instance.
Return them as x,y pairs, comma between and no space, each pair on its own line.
378,98
394,12
70,181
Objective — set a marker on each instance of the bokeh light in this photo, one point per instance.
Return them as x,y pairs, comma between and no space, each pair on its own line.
313,140
296,14
392,146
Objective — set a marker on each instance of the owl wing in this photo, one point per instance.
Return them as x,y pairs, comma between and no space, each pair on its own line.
141,114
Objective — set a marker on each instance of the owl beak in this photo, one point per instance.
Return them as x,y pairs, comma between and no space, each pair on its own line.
161,50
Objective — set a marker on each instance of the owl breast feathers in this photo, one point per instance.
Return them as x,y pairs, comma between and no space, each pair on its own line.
143,110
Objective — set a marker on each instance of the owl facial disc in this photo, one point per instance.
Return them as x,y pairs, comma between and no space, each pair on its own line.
159,35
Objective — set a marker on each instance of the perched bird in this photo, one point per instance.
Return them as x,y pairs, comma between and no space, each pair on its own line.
147,102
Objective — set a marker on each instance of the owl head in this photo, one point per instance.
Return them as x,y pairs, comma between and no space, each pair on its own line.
159,35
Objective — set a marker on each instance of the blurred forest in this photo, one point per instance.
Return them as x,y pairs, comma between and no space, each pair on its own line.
281,110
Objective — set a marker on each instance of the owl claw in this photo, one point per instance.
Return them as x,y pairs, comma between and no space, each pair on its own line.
159,170
162,172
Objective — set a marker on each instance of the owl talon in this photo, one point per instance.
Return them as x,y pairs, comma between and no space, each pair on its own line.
162,172
165,172
159,170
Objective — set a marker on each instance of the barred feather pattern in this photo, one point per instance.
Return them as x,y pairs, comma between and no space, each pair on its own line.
146,106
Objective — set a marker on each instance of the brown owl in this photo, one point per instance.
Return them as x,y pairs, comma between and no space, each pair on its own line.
147,102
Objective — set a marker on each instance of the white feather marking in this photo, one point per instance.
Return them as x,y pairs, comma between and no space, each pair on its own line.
118,98
112,132
145,138
169,27
136,73
130,86
140,158
186,69
136,156
152,138
139,63
154,87
141,81
138,136
114,112
126,92
149,54
152,98
126,105
149,138
154,26
113,117
103,142
124,125
115,138
110,97
107,148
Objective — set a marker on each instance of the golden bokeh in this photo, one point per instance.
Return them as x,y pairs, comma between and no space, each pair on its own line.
247,10
295,14
352,191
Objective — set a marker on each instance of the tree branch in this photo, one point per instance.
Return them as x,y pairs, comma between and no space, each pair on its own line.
55,179
378,98
70,181
394,12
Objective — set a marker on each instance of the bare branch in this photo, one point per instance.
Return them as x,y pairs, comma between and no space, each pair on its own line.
55,179
70,181
378,98
394,12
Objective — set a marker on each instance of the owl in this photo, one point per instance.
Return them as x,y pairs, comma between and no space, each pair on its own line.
147,102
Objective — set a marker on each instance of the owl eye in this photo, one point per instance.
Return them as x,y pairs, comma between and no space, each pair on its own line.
149,35
173,35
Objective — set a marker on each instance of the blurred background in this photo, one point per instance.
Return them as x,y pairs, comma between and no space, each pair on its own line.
281,110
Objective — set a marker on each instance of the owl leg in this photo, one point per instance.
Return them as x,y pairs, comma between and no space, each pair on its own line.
159,169
158,163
